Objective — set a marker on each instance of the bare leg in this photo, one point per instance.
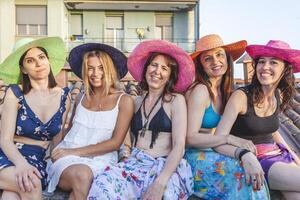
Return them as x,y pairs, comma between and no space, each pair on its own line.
290,195
286,178
8,183
77,179
10,195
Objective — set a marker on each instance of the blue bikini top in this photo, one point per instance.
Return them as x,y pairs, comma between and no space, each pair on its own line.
210,118
159,123
29,125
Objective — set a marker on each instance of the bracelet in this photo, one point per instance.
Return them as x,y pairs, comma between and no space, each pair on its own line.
243,152
237,152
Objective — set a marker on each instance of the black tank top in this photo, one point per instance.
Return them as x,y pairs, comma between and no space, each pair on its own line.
252,127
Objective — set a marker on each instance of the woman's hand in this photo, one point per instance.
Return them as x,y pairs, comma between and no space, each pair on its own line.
154,192
58,153
242,143
25,176
253,170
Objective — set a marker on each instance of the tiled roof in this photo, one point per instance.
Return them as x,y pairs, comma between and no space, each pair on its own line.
290,125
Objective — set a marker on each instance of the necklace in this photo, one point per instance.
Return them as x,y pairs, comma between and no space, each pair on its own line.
145,114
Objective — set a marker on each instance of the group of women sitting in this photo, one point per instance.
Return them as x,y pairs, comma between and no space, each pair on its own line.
192,134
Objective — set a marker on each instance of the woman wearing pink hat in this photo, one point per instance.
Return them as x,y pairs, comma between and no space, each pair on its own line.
252,113
215,176
155,169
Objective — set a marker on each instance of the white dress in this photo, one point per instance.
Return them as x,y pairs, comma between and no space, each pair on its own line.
89,127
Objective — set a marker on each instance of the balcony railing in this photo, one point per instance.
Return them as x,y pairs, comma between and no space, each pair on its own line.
126,45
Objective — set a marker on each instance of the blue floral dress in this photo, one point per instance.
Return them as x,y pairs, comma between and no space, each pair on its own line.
29,125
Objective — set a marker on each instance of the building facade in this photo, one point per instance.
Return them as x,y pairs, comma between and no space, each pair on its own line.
122,24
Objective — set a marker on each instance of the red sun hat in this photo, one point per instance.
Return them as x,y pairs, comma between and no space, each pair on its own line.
139,56
277,49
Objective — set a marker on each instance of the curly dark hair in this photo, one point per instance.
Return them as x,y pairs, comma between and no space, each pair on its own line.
226,83
286,86
169,88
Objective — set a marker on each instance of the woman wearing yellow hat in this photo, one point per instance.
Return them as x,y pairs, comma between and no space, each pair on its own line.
33,115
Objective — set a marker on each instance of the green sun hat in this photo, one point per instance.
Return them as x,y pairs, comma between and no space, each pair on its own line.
55,47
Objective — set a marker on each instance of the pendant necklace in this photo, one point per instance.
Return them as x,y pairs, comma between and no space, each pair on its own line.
145,114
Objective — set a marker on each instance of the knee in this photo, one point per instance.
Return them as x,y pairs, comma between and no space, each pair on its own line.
36,190
82,178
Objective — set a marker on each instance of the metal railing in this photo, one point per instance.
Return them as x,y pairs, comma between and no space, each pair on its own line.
126,45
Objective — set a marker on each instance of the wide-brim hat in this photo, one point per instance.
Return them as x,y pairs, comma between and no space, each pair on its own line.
212,41
277,49
55,47
77,53
139,56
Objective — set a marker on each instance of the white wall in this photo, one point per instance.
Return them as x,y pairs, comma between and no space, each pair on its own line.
7,27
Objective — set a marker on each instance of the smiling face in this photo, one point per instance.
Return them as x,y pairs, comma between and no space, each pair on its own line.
95,72
36,64
214,62
269,70
158,72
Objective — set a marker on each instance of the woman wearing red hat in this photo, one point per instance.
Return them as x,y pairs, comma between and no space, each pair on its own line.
155,169
252,113
215,176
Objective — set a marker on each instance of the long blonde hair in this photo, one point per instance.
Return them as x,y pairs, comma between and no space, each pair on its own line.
110,75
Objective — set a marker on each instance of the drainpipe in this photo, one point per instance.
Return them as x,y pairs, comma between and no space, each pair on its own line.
197,20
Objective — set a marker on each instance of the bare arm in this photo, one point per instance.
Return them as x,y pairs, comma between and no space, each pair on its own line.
237,104
23,168
126,109
179,125
56,139
197,102
9,118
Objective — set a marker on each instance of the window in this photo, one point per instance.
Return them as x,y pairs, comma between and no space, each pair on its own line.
164,27
76,26
31,20
114,32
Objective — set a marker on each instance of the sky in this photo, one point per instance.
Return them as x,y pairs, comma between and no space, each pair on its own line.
256,21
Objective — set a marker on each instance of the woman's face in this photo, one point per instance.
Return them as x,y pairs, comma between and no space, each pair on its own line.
269,70
214,62
36,64
95,71
158,73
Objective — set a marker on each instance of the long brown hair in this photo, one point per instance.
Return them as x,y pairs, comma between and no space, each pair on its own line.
226,83
286,86
172,64
24,78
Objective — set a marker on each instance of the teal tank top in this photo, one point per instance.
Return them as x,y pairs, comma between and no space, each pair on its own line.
210,118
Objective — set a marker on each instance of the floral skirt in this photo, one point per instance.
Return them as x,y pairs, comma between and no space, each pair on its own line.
131,178
217,176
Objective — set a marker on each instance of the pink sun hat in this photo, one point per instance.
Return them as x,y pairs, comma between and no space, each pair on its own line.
277,49
139,56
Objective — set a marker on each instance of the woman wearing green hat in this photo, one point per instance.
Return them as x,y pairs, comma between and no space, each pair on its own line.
33,115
